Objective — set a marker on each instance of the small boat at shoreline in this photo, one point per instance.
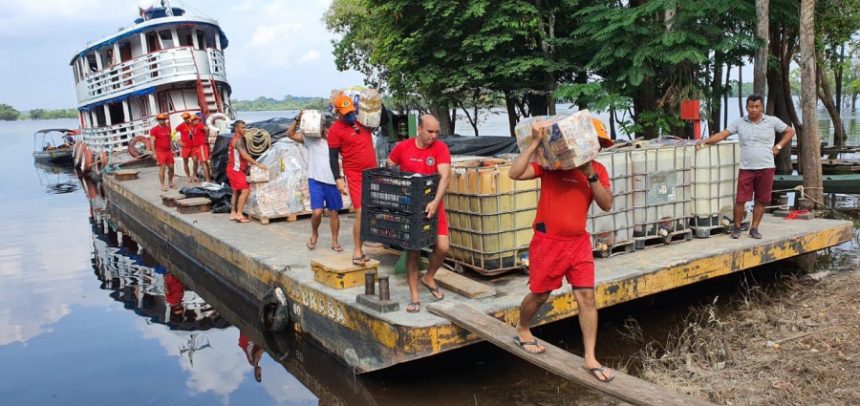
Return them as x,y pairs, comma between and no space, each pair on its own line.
54,145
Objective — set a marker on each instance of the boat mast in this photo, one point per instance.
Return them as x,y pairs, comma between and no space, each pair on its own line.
167,9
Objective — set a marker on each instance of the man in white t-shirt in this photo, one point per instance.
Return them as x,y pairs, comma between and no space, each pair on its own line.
321,184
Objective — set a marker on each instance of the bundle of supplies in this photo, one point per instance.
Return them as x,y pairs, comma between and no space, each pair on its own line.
287,190
368,104
312,123
569,140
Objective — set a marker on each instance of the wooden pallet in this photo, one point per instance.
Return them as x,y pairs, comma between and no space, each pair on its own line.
194,205
289,217
657,240
622,248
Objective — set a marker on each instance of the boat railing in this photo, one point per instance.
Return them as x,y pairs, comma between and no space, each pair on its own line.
114,137
152,69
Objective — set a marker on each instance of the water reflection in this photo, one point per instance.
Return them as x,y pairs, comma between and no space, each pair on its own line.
56,179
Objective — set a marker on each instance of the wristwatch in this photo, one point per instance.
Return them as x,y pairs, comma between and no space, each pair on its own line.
593,178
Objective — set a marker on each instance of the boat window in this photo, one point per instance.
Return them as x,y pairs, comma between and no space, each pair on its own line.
124,51
201,39
117,115
184,35
91,61
153,42
165,104
166,39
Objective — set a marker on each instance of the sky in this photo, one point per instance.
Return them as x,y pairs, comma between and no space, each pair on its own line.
277,47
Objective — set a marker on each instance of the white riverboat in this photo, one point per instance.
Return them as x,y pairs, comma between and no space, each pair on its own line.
168,61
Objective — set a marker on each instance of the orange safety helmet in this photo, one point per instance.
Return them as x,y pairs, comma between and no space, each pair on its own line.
602,136
161,116
343,104
186,115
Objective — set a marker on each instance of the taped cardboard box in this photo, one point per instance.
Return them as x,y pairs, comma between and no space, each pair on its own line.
569,140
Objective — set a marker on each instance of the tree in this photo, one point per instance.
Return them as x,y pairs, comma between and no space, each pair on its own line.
37,114
811,148
8,113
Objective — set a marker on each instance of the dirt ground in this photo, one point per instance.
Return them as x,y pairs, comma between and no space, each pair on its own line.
794,342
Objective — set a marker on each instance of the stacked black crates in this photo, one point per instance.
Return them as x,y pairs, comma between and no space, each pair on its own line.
393,204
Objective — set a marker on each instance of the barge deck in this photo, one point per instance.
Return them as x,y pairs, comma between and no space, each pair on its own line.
255,258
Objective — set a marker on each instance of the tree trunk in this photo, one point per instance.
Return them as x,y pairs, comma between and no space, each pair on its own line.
837,76
826,96
776,105
726,96
740,89
511,107
811,151
763,31
537,104
644,101
612,133
716,85
443,114
795,122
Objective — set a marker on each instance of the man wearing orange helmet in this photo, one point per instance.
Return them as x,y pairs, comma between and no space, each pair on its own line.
186,139
201,147
160,139
353,141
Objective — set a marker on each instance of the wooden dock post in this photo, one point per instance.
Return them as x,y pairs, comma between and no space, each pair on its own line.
558,361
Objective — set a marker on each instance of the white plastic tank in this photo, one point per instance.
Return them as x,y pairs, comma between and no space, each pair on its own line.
614,228
661,190
715,170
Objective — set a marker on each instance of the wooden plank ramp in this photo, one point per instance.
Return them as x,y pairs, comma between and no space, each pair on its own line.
558,361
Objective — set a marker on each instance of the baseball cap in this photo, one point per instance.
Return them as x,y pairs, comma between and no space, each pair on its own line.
343,104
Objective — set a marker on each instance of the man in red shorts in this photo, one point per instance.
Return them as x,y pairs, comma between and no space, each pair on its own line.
561,248
426,155
186,140
238,160
353,141
160,139
756,133
201,146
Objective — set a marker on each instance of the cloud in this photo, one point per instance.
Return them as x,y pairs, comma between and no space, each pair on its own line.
309,56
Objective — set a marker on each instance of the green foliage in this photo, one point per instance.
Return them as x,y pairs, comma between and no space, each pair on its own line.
287,103
43,114
8,113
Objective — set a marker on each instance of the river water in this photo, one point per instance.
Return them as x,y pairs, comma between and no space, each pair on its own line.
84,319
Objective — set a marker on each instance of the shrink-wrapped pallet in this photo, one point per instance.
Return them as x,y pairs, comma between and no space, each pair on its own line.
286,193
569,140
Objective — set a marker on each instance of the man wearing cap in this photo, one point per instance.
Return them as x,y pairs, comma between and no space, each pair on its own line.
561,248
186,140
200,151
160,139
353,141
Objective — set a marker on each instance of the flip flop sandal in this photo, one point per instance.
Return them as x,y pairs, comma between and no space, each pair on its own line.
337,248
602,372
435,292
360,261
523,345
311,244
244,220
413,307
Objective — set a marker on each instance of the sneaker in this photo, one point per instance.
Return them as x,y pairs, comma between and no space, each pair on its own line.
755,234
736,232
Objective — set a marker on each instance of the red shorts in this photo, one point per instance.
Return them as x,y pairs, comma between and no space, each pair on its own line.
441,221
164,157
201,152
552,258
187,152
353,183
238,180
755,181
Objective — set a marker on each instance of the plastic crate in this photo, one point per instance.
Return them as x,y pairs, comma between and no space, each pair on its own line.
385,188
411,231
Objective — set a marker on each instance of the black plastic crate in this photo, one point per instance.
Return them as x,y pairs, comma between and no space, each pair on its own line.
408,231
391,189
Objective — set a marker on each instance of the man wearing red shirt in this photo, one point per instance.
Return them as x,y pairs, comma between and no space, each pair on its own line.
160,140
561,248
426,155
353,141
186,139
201,147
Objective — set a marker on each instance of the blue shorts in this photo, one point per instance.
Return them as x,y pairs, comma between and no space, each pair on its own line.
324,196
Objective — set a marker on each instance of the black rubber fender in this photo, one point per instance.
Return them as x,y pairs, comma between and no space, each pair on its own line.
275,311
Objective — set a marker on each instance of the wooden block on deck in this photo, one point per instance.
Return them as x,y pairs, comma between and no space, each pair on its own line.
463,285
125,174
169,198
557,360
338,271
194,205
